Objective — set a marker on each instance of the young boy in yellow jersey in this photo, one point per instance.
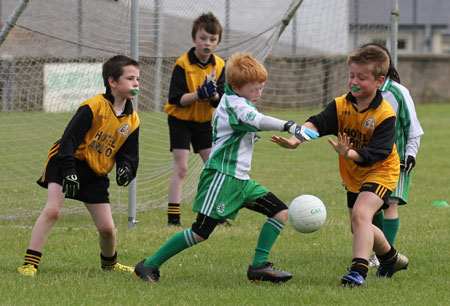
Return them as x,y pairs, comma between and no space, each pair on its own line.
196,87
103,132
368,161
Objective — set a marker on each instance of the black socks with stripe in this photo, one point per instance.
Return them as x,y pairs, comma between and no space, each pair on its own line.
360,265
108,262
174,213
389,257
32,258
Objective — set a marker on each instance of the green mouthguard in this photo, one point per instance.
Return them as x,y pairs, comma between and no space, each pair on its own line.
134,91
356,89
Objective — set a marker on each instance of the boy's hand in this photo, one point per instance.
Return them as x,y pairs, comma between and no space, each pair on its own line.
408,164
71,185
123,176
304,134
290,143
208,89
343,145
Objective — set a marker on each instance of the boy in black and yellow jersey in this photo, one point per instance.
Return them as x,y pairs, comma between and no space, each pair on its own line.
103,132
196,87
368,161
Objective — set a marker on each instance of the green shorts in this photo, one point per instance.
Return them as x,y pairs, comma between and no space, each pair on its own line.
401,191
222,196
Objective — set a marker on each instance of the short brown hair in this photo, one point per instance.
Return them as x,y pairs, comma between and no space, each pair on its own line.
242,68
371,55
209,22
392,71
113,67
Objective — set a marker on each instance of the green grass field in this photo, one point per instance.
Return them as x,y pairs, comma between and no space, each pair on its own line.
214,272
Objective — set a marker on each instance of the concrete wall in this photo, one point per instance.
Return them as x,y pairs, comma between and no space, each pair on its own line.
426,76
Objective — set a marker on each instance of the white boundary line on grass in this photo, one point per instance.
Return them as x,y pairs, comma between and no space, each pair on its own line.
53,228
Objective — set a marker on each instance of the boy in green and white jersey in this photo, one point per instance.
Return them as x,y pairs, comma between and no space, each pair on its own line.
407,135
225,186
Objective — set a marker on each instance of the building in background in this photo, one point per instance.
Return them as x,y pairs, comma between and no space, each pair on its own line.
424,25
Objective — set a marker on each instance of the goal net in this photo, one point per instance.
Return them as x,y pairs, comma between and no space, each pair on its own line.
50,62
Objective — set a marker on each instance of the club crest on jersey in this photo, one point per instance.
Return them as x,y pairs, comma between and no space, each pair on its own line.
124,130
369,123
220,208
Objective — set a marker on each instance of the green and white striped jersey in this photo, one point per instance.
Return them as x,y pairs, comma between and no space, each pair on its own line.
236,122
407,125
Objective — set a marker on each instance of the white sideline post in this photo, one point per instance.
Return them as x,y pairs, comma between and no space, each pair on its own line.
135,55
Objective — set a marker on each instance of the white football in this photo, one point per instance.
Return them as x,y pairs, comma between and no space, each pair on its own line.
307,213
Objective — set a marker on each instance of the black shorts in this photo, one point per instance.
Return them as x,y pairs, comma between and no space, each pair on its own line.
93,188
378,189
183,133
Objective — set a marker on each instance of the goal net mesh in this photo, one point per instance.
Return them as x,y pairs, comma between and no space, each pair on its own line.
51,60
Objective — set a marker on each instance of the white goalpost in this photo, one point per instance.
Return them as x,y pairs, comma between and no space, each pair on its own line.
51,54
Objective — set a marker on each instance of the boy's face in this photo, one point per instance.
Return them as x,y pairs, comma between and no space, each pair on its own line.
205,43
128,81
250,91
362,83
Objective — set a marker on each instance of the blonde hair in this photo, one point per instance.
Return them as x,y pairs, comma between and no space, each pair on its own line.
242,68
371,55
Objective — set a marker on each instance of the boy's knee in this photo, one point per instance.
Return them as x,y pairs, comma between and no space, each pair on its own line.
203,227
52,213
360,217
107,231
181,172
282,216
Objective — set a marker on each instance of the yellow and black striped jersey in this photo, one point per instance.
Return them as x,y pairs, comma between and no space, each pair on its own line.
372,132
187,76
100,138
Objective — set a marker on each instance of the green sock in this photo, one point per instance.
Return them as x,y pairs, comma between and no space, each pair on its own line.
390,229
378,220
173,246
269,233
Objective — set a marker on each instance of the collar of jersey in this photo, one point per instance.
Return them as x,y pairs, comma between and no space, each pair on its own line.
195,61
128,110
230,92
386,84
374,104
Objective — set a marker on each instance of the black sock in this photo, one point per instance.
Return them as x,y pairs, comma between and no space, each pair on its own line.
108,262
32,258
389,257
174,213
361,266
